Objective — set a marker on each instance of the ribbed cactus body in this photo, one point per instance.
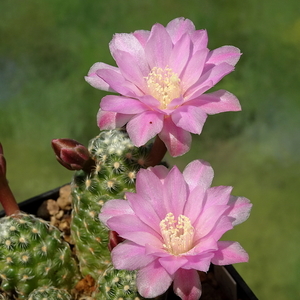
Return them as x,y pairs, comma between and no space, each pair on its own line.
32,254
116,164
49,293
117,284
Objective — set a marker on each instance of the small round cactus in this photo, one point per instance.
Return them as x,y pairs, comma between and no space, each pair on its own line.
49,293
32,254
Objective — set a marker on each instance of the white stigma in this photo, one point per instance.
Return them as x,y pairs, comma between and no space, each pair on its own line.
164,85
178,234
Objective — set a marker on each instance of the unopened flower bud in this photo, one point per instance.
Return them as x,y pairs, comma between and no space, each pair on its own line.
70,153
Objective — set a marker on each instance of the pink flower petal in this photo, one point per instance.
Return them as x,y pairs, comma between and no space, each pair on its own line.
151,102
158,48
107,120
142,36
200,261
153,280
130,44
216,73
240,208
122,105
202,249
118,83
114,208
197,91
180,54
198,173
208,79
158,252
223,225
150,188
218,195
172,263
178,27
229,253
177,140
142,238
196,198
145,211
207,220
187,284
95,81
228,54
131,70
144,127
194,68
132,228
160,171
175,192
130,256
200,39
174,104
189,118
216,102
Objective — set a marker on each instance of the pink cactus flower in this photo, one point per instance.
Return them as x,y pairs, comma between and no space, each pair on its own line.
172,226
161,77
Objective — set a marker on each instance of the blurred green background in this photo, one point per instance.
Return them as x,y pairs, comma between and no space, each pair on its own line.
47,47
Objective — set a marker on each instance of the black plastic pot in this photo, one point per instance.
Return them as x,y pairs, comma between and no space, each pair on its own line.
231,283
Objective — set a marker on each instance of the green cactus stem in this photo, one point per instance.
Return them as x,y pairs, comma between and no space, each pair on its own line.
117,161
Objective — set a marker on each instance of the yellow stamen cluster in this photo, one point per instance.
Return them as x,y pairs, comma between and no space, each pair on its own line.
178,234
163,85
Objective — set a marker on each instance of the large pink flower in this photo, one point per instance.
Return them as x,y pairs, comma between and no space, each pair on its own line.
172,226
161,77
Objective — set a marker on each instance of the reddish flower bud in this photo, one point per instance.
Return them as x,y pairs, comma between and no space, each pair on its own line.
70,153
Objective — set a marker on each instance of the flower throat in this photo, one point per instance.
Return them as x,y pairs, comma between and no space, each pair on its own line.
163,85
178,234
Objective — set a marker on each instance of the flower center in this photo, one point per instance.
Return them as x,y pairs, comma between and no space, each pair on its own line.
163,85
178,234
